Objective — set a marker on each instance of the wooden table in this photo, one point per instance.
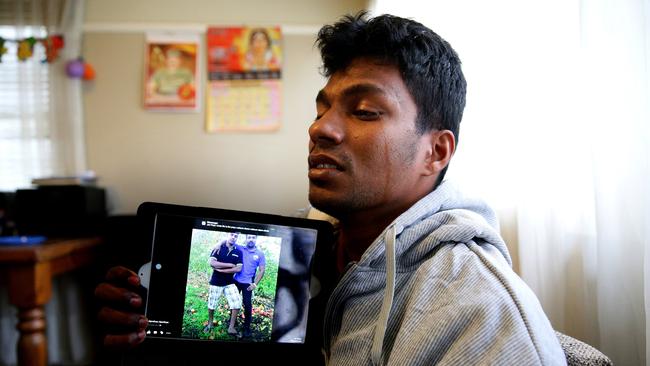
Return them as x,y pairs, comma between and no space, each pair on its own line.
28,271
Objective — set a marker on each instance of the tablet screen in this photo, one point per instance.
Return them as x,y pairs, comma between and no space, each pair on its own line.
202,262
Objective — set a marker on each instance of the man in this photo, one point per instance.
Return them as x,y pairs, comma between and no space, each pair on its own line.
249,277
225,260
419,273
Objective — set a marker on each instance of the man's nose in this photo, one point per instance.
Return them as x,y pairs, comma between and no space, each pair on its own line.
327,130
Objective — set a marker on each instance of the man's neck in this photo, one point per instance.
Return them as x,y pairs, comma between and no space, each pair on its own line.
356,233
358,230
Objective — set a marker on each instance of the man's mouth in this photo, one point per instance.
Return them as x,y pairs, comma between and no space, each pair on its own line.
326,166
321,161
323,167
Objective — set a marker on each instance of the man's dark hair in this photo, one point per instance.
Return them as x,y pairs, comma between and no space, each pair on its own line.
429,66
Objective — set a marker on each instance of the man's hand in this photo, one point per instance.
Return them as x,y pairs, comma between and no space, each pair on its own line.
233,269
119,299
258,277
218,266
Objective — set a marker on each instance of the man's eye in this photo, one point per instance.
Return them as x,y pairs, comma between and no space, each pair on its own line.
366,115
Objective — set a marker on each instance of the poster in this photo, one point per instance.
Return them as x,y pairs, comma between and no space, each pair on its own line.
170,72
244,91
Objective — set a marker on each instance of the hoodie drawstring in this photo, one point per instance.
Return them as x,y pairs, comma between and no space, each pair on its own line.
382,321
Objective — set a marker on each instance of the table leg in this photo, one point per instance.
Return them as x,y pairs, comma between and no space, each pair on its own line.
32,345
30,288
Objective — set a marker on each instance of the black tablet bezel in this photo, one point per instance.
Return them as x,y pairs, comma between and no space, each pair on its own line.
222,350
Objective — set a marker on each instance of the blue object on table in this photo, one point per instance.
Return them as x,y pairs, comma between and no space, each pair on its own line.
21,240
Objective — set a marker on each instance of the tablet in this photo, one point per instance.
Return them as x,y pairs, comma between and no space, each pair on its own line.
203,259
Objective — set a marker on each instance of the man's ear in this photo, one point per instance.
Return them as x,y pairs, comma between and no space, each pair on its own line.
440,149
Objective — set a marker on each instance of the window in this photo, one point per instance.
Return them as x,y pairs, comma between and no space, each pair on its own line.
25,136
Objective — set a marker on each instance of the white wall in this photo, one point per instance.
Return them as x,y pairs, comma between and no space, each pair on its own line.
167,157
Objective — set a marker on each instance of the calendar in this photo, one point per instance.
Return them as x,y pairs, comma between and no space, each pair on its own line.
244,105
244,89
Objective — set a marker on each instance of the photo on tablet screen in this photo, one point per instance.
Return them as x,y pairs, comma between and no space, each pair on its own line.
185,242
200,255
221,290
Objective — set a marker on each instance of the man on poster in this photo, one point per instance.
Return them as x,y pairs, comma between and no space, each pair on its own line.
249,277
225,260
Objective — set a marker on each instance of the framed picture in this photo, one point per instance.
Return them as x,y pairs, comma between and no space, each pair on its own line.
170,72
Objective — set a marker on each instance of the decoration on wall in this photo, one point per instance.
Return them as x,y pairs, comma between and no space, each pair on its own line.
75,68
170,72
244,91
89,72
79,69
25,47
52,46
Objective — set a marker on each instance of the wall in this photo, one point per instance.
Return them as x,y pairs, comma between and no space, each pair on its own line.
167,157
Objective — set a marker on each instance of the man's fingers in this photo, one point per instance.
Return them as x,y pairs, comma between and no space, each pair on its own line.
118,318
118,295
124,341
116,292
122,274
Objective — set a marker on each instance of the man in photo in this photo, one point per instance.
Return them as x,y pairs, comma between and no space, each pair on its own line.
225,260
249,277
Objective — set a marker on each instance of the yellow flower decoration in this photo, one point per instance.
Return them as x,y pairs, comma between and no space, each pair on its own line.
25,50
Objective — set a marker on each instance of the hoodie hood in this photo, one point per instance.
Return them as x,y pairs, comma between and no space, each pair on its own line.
443,216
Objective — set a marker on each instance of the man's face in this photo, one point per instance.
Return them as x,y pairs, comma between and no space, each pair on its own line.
250,241
363,142
232,238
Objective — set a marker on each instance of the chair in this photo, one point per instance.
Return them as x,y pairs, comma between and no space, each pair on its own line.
581,354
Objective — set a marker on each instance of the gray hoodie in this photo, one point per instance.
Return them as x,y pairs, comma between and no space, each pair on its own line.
436,287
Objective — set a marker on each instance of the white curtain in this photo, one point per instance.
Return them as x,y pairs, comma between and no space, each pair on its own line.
555,136
41,128
25,144
66,101
41,134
